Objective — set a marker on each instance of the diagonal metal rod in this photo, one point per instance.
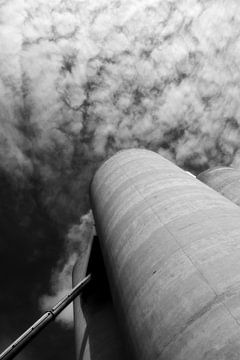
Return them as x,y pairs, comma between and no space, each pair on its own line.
41,323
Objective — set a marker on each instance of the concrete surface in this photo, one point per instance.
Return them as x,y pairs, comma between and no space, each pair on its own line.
225,180
97,333
172,253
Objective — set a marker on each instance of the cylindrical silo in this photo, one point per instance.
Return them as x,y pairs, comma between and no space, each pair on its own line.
97,332
225,180
172,253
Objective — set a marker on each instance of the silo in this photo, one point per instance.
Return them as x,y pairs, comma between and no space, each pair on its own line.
225,180
171,249
97,332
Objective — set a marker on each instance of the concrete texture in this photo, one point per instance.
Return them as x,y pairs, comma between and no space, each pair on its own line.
225,180
97,333
80,325
172,252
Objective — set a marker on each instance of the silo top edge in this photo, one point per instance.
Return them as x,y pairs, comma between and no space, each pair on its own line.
116,155
217,168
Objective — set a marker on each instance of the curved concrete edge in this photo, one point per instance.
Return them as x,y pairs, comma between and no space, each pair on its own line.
97,332
213,170
115,157
224,180
171,250
80,324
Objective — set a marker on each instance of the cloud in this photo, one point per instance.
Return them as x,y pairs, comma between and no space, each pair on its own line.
81,80
61,281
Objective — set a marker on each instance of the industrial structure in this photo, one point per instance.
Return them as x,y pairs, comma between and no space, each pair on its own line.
168,250
225,180
164,266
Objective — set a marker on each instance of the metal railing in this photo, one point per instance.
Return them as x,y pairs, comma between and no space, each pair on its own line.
12,350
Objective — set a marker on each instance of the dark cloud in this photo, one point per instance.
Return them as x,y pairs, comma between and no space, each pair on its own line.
30,244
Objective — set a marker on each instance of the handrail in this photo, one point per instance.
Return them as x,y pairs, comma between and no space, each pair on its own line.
11,351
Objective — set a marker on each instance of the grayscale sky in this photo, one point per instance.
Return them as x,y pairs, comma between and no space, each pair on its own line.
80,80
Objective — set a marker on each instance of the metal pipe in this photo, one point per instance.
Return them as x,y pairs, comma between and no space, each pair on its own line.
41,323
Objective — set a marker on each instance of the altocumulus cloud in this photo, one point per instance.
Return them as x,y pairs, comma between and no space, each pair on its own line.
80,80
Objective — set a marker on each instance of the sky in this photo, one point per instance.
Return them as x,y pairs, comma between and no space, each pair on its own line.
79,81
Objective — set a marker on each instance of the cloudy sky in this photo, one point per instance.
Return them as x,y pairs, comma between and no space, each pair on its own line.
80,80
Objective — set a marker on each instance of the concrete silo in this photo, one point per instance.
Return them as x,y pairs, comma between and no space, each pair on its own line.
171,251
225,180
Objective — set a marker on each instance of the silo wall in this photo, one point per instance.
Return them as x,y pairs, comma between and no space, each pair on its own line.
225,180
97,332
172,253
